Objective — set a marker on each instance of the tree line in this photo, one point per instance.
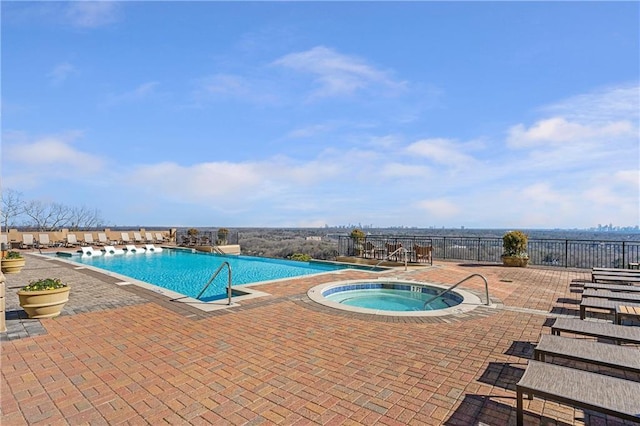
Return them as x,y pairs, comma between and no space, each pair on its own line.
45,216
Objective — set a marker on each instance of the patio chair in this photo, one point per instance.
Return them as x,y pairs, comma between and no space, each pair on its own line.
602,304
617,333
110,250
369,249
151,248
613,287
4,239
102,239
71,240
88,240
148,237
27,241
582,389
588,351
611,295
160,238
43,241
137,238
89,251
423,253
124,238
130,248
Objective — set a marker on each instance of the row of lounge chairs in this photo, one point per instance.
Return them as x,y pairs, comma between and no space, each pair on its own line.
596,391
44,241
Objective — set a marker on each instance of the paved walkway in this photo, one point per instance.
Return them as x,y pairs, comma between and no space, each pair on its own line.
123,355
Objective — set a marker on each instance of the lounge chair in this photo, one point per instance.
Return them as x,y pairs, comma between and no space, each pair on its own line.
588,351
617,333
602,304
611,295
27,241
160,238
151,248
88,239
582,389
148,237
110,250
369,249
137,238
43,241
102,239
89,251
4,239
71,240
613,287
130,248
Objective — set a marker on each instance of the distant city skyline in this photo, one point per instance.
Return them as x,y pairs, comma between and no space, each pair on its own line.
497,115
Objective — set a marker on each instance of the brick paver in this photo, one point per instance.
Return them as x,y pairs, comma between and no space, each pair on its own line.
122,356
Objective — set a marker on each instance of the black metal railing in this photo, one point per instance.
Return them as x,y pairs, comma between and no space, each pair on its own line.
550,252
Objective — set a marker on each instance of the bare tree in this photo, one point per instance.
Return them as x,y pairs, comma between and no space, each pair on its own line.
83,218
12,208
47,217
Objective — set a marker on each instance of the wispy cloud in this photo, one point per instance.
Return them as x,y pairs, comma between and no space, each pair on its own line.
92,14
442,151
61,72
337,74
142,92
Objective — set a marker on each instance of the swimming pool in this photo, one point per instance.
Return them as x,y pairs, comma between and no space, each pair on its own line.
186,272
393,297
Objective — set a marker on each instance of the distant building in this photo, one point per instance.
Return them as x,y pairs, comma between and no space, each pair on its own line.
313,238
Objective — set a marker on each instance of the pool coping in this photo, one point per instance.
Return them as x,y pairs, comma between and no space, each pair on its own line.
469,303
243,292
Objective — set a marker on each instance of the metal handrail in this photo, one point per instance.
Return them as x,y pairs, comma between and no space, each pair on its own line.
213,277
486,287
391,254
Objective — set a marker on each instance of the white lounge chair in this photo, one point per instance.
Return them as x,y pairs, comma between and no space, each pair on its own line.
102,239
130,248
4,239
43,240
151,248
159,237
148,237
89,251
137,238
71,240
27,241
124,238
112,250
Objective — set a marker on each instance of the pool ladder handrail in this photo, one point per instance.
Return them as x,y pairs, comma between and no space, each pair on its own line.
387,257
486,288
213,277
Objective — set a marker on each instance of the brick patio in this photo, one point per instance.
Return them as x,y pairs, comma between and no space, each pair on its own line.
122,354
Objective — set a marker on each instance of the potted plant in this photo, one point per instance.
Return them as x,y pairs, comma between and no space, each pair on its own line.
44,298
12,262
514,245
358,236
222,236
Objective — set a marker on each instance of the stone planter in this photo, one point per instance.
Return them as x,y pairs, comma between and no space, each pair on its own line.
12,266
44,303
515,261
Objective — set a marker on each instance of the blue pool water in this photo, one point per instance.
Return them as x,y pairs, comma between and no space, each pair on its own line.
187,273
391,297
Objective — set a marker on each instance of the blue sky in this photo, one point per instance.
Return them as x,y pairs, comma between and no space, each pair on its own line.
475,114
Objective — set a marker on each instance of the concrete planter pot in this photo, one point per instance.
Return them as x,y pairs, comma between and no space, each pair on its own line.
12,266
44,303
515,261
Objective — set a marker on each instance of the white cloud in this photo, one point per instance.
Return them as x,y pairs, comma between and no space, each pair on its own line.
61,72
92,14
440,150
142,92
400,170
309,131
337,74
558,130
440,208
